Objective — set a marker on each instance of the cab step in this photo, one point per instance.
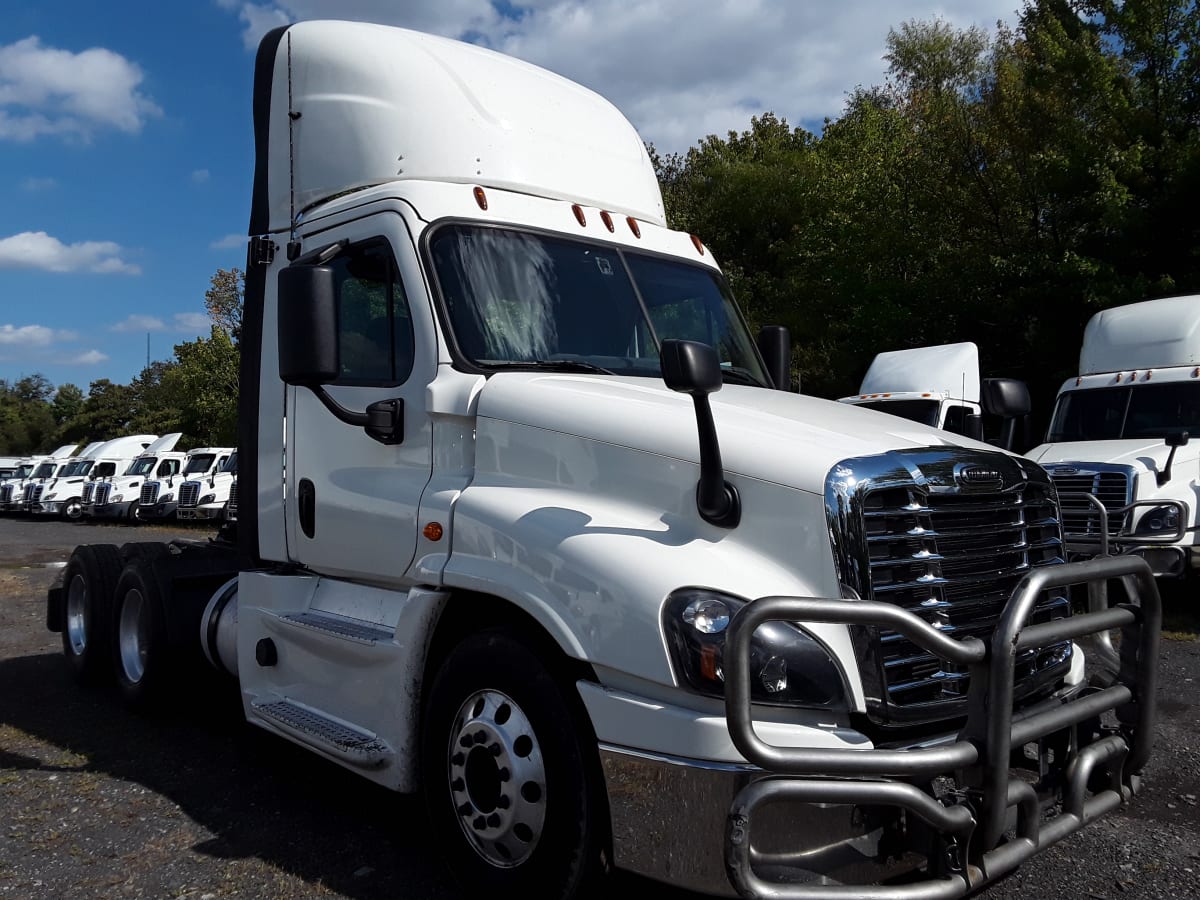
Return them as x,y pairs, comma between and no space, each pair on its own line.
309,726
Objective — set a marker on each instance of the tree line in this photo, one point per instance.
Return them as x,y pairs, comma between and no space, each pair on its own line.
195,392
998,187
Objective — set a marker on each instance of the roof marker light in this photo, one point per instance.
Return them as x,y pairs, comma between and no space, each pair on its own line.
633,226
1078,382
927,395
1133,375
1196,372
697,244
578,210
607,220
1148,374
481,198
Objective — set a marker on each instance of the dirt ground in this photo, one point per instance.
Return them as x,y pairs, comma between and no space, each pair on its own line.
96,802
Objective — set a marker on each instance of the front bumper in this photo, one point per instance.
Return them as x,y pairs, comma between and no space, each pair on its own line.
158,510
1168,553
199,513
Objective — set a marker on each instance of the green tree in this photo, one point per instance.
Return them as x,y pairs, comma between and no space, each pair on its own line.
68,403
224,299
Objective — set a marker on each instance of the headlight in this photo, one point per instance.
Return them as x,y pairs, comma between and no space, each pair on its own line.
116,498
50,496
207,498
1160,518
787,665
166,498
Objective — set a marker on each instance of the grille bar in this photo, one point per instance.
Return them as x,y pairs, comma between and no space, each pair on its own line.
189,493
1080,518
149,495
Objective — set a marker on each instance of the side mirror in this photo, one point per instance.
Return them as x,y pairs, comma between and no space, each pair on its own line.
693,368
1177,439
1005,397
775,345
308,348
1174,440
974,427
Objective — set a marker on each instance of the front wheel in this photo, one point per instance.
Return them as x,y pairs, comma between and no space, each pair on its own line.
510,773
73,510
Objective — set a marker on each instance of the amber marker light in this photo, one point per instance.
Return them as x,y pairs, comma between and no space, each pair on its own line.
433,531
607,220
578,210
481,198
633,226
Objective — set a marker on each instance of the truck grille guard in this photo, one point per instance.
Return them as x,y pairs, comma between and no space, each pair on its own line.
1099,775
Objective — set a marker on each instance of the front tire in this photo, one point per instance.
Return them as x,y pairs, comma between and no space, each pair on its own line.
88,584
510,773
73,511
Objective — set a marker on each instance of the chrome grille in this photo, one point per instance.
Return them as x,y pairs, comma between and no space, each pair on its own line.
89,492
103,491
1080,518
189,493
231,507
6,492
906,532
33,492
149,495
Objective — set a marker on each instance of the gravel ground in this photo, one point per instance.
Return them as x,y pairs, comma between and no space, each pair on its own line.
96,802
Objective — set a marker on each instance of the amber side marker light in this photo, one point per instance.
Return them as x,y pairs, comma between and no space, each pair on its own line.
481,198
433,531
578,210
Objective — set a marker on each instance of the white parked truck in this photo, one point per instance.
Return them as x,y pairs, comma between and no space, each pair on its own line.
160,498
60,463
1121,447
940,386
203,497
118,497
550,548
66,496
12,491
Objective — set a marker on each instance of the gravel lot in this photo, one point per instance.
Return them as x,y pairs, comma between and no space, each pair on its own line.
97,802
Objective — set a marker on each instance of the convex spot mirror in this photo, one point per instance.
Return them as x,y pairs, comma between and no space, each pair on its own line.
308,346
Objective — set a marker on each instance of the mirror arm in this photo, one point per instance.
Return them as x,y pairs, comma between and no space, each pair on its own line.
383,420
717,500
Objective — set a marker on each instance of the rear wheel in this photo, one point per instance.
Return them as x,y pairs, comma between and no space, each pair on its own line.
510,774
140,652
88,584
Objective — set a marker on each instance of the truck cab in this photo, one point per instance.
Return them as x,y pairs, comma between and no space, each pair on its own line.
51,470
12,492
117,496
68,494
160,499
1123,446
204,498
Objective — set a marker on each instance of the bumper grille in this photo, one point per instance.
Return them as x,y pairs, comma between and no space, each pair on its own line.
33,493
911,535
103,491
149,495
189,493
1081,518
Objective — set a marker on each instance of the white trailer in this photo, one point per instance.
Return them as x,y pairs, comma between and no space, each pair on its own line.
117,497
549,547
1121,445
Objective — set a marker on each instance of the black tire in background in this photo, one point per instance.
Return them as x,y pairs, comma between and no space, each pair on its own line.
510,774
89,581
140,650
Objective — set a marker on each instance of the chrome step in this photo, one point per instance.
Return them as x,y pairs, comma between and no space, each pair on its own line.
357,747
340,626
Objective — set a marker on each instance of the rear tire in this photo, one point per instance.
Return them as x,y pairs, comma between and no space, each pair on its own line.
510,774
140,653
89,582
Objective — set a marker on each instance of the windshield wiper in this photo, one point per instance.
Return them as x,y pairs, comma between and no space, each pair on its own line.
553,365
742,376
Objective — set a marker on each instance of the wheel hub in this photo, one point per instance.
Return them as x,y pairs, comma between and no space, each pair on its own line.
133,636
497,779
77,614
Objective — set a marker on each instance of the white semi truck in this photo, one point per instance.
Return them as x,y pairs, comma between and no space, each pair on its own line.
550,548
203,498
47,471
160,498
118,497
66,496
1123,446
12,491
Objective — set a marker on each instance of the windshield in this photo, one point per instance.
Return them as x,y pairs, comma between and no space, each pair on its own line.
45,470
199,463
141,466
523,300
923,411
22,471
82,467
1141,411
230,464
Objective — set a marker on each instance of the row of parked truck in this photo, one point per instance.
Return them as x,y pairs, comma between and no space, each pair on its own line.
135,478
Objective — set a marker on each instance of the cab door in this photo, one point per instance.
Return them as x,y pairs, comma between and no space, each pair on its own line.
351,501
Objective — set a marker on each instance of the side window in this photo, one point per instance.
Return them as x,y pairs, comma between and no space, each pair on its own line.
956,419
375,337
168,467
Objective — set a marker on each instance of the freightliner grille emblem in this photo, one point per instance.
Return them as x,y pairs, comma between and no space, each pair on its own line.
979,477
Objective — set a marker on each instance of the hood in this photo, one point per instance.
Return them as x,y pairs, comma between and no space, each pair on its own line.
775,436
1144,454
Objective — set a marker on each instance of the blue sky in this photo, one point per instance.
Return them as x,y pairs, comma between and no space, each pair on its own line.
126,152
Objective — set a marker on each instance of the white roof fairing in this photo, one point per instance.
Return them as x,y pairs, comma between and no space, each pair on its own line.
1153,334
951,370
373,103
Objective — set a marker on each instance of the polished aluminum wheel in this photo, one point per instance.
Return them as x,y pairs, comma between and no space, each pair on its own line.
77,614
133,636
497,778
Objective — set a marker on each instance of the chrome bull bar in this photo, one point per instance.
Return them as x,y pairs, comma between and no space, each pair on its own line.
979,757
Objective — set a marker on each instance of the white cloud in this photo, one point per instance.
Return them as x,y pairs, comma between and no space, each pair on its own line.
48,91
137,324
87,358
199,176
229,242
38,250
34,184
33,335
679,71
192,322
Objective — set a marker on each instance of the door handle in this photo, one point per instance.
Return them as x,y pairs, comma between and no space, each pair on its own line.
306,498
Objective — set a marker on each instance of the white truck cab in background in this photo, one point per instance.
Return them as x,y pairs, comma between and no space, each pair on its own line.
55,467
117,497
1126,430
555,544
203,497
66,496
12,491
159,498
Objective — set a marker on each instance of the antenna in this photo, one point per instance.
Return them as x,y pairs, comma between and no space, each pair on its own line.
147,349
